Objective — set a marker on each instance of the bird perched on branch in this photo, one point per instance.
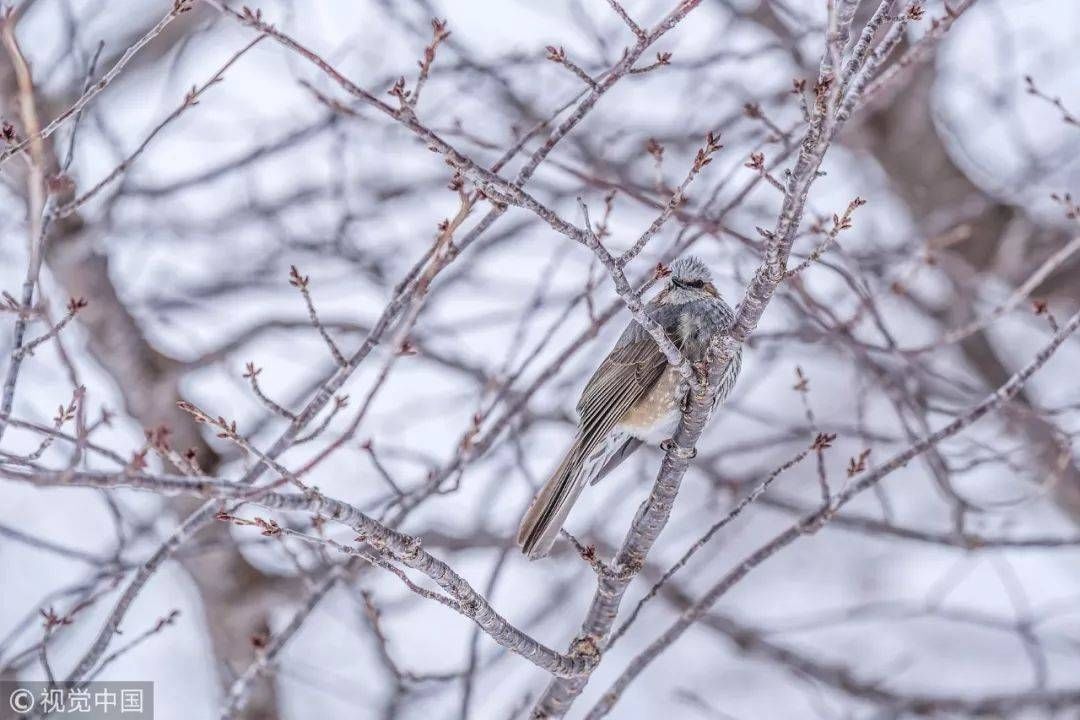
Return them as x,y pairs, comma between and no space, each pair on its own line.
634,397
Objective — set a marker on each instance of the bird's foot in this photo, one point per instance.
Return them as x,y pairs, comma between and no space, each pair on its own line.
670,446
700,371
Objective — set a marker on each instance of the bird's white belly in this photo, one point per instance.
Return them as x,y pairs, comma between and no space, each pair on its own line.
654,418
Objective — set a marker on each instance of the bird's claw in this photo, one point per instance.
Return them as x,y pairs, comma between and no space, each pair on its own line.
670,446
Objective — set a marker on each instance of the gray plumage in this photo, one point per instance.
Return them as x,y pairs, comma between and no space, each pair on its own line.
634,397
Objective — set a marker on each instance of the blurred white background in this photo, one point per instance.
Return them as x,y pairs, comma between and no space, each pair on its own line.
195,239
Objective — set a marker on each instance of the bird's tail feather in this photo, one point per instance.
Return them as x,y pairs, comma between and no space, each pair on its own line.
545,517
586,461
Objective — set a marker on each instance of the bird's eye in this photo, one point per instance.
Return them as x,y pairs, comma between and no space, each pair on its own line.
696,283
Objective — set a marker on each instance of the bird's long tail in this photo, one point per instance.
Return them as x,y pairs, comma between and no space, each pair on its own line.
584,462
546,515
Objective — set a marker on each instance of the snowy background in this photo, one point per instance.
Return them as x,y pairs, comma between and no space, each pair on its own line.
201,260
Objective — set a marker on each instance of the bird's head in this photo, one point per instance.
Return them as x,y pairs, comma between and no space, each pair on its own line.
690,279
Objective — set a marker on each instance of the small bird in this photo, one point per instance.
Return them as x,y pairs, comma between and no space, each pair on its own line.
634,397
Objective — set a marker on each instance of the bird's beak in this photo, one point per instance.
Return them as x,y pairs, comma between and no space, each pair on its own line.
711,289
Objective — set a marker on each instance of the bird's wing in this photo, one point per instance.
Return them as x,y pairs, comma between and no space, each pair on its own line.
625,376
